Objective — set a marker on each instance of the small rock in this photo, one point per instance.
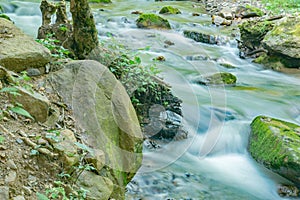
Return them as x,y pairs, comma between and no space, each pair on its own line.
136,12
97,159
217,20
195,14
11,164
42,141
41,104
27,190
33,72
2,147
19,141
98,187
4,193
18,198
11,177
288,191
226,13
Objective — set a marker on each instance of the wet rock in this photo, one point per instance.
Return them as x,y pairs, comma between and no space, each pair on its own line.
288,191
19,51
33,72
222,78
4,193
283,41
164,124
274,143
99,188
200,37
169,10
28,98
152,21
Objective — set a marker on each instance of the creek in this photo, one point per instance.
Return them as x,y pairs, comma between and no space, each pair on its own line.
213,163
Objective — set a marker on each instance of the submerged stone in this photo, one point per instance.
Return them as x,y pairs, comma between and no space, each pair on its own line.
152,21
276,144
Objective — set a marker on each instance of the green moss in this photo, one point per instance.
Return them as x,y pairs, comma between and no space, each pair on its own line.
275,143
169,10
5,17
152,21
100,1
227,65
255,31
289,27
222,78
256,10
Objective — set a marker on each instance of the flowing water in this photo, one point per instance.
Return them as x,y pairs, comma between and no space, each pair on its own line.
213,163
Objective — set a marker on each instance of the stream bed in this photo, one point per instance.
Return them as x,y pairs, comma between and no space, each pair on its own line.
213,163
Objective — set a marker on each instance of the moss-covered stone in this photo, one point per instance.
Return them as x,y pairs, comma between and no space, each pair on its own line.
276,144
284,41
252,9
169,10
5,17
222,78
201,37
253,32
100,1
152,21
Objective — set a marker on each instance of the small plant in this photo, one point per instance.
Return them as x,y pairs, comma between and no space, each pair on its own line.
53,135
57,51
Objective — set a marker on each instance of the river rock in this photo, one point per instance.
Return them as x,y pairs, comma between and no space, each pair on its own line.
102,107
221,78
248,11
200,37
98,187
275,144
29,98
283,41
217,20
152,21
169,10
226,13
19,51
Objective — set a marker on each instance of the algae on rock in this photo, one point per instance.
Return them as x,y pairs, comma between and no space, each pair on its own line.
152,21
276,144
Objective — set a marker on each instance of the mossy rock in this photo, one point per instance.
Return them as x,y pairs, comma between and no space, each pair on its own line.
276,144
284,41
252,9
253,32
222,78
5,16
152,21
169,10
100,1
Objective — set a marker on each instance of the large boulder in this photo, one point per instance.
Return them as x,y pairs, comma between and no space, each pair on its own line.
103,109
152,21
276,144
19,51
284,41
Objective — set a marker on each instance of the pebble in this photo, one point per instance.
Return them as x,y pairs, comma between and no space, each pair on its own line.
18,198
33,72
11,164
11,177
19,141
4,193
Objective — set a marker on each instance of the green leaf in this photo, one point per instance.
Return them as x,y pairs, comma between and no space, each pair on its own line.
19,110
84,147
2,139
9,89
41,196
